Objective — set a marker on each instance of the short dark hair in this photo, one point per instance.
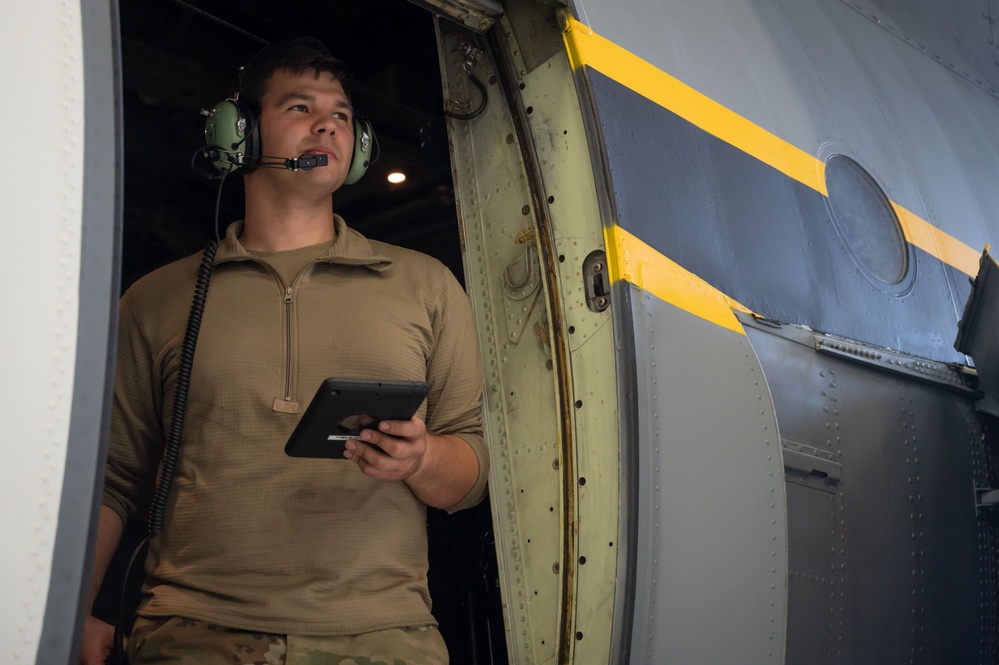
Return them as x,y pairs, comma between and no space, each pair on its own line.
293,55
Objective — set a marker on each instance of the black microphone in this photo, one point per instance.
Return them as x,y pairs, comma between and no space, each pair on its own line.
304,162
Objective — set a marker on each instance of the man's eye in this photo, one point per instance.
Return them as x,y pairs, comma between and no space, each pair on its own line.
298,107
340,116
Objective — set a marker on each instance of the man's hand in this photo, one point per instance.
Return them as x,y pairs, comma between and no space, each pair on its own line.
403,445
98,638
439,469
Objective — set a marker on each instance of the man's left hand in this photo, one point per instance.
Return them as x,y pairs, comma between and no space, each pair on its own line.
439,469
402,447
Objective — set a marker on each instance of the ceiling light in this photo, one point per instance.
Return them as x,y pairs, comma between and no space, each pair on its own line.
396,177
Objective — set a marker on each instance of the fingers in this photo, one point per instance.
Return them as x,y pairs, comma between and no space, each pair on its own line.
96,641
392,452
398,439
372,462
411,429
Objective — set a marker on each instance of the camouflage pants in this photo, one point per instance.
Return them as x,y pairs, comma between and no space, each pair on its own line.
181,641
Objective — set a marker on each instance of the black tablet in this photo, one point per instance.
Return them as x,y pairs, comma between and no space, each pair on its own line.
343,407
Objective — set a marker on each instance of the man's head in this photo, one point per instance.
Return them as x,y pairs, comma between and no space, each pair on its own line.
318,90
302,108
297,56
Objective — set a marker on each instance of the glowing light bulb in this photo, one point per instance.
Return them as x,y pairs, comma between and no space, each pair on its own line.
396,177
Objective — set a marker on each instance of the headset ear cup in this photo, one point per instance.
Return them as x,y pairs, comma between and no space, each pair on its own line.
364,141
253,154
232,135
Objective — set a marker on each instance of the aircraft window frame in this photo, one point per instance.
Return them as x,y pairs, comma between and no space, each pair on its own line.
864,220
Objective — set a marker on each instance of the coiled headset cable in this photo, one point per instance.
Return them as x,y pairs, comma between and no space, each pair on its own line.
171,451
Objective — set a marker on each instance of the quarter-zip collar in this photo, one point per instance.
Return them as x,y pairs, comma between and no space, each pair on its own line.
349,249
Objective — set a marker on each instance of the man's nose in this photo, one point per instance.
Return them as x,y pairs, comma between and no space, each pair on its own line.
325,125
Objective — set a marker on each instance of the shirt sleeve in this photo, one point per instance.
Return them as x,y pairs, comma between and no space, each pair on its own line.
135,445
454,405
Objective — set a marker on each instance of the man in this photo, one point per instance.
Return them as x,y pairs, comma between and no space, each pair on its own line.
267,558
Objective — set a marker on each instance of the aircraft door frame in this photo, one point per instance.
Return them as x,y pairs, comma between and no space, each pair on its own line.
638,497
530,225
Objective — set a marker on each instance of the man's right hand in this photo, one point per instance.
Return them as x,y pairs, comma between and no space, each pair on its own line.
98,638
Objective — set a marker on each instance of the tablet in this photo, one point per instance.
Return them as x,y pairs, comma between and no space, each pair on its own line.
341,408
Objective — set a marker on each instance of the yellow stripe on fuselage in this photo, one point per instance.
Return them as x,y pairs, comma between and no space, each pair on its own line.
937,243
588,48
631,260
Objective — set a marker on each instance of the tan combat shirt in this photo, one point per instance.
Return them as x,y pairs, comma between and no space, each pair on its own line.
255,539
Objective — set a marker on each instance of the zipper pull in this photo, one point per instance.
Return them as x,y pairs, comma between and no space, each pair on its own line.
287,296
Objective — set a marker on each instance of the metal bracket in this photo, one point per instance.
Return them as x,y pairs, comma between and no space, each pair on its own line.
521,281
451,108
987,405
985,497
472,55
922,369
523,276
596,282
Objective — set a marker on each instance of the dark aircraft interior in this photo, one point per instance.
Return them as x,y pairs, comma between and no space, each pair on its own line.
181,57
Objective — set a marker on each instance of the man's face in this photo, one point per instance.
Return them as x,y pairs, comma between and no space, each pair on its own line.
300,113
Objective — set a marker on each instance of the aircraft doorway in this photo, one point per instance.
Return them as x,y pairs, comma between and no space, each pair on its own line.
178,60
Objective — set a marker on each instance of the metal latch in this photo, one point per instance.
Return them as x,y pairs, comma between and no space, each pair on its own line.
596,281
985,497
809,466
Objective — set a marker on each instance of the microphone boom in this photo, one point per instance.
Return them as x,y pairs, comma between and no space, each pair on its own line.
307,162
304,162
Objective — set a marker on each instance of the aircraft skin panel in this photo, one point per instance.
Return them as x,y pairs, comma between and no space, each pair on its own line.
712,210
821,72
595,51
779,255
894,526
96,335
42,117
56,125
710,559
635,262
953,33
778,251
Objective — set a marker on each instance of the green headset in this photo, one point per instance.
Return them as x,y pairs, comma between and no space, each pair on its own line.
232,140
